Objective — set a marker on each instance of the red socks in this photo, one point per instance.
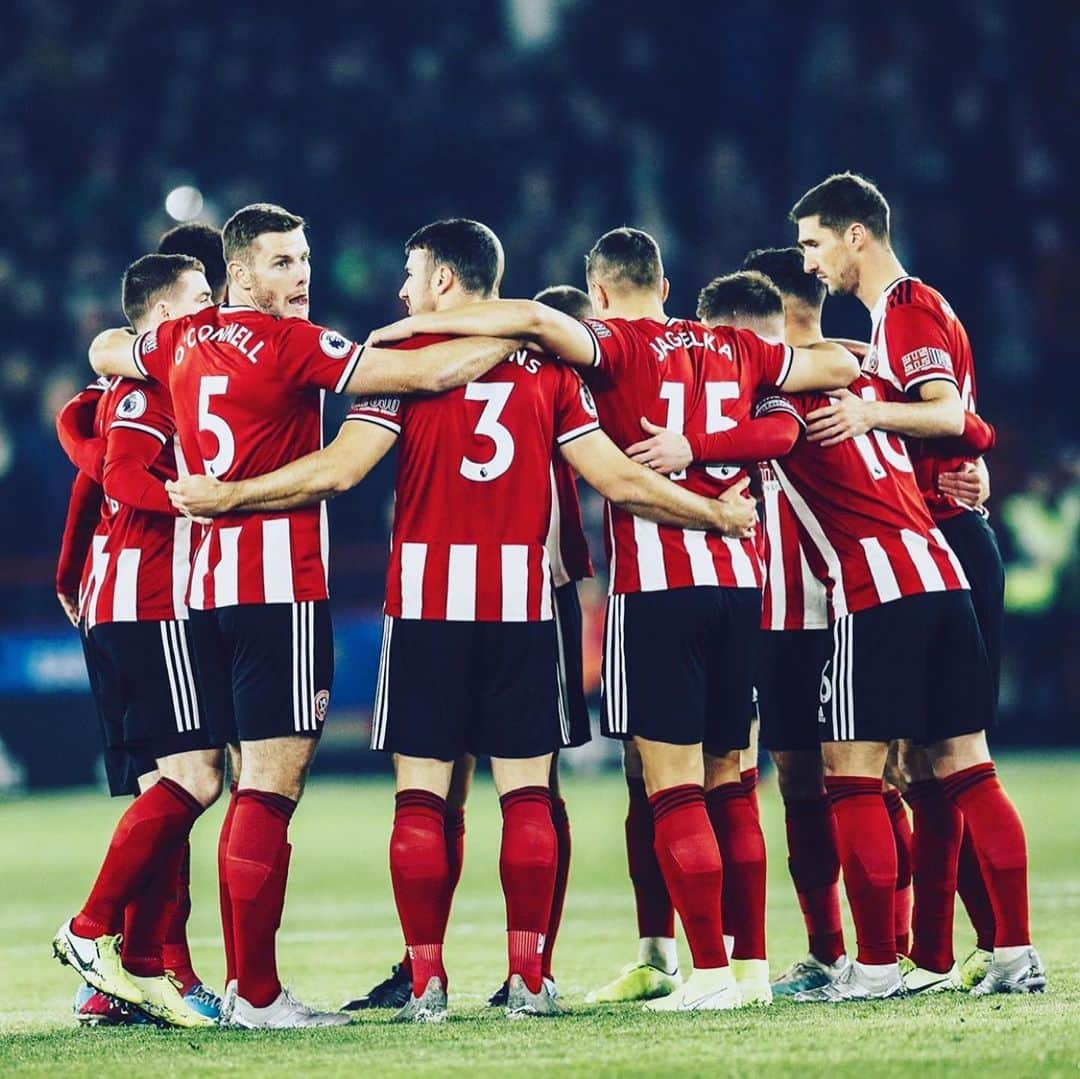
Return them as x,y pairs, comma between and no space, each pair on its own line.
655,913
904,899
815,871
223,887
997,835
528,863
690,861
147,917
153,826
742,852
561,823
256,872
864,841
420,872
971,888
175,954
938,829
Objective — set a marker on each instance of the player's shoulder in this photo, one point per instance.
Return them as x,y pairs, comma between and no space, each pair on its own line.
913,296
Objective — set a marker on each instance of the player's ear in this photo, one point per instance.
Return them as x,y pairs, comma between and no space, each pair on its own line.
856,235
238,271
443,279
599,297
665,288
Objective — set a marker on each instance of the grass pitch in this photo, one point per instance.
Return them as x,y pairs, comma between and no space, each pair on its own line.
340,935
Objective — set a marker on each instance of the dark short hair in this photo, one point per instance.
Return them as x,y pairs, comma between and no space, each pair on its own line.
248,224
626,256
746,294
783,266
844,199
148,277
567,299
468,247
202,242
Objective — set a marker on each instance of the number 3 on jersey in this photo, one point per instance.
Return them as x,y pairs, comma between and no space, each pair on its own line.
214,386
494,395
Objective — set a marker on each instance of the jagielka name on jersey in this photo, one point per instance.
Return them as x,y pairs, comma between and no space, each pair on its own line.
474,465
865,527
248,393
916,338
686,377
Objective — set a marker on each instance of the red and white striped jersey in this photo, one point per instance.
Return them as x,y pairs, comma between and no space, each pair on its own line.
865,527
567,547
916,337
474,490
248,393
793,598
139,563
686,377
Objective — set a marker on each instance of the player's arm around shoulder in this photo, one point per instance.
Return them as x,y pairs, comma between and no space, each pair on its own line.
337,467
112,352
645,494
824,365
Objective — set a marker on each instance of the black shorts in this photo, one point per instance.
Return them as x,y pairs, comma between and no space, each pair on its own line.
487,688
976,546
568,627
679,666
914,668
266,669
149,701
789,672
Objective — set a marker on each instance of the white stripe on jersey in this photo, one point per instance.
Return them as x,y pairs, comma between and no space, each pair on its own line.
650,556
140,427
198,572
775,581
611,547
958,569
813,529
227,571
547,609
885,583
413,557
276,562
126,586
741,565
815,602
99,563
515,582
553,543
919,548
181,565
702,566
461,583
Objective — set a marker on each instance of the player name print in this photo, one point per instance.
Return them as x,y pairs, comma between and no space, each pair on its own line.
232,333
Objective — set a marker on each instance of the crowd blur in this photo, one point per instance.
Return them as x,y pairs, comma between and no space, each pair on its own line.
551,120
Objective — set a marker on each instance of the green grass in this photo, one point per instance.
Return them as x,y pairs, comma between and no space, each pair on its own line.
340,934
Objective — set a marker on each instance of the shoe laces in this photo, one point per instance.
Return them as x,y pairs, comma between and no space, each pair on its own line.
205,996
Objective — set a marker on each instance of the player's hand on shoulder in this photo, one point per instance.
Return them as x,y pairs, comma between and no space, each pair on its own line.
665,452
200,497
736,511
394,331
847,417
71,607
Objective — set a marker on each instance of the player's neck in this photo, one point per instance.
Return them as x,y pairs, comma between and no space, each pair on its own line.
880,268
634,306
801,331
235,296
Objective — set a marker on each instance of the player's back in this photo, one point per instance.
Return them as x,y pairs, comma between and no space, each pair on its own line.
867,529
686,377
247,389
140,560
474,492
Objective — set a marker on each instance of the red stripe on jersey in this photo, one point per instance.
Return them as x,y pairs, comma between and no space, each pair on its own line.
793,597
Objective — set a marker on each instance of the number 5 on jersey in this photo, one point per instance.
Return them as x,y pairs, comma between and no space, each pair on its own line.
214,386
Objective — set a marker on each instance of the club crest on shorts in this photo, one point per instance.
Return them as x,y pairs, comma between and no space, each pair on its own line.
334,345
132,406
322,704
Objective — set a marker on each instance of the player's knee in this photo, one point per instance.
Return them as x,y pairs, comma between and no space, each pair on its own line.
799,776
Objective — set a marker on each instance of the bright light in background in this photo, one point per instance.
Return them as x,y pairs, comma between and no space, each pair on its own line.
184,203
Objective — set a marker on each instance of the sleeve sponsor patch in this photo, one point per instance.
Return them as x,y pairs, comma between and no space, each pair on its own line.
768,406
148,343
387,406
922,360
132,406
597,327
334,344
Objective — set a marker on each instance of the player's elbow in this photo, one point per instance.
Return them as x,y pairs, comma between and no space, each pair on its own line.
844,368
98,353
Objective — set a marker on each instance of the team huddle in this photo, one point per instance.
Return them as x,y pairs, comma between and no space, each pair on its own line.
854,620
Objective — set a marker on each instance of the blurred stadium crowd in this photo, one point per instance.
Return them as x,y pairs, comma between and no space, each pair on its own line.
553,120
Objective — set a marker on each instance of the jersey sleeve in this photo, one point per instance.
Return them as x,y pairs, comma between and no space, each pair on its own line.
75,430
84,510
310,355
575,411
612,342
769,361
385,412
774,404
127,476
145,408
918,345
151,351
